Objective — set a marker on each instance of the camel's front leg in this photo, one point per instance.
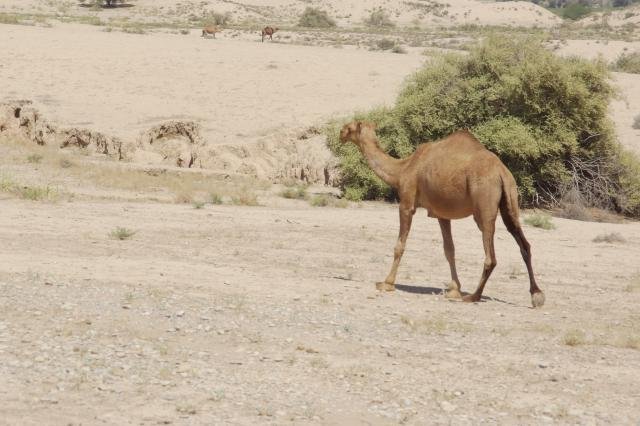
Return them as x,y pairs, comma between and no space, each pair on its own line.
406,215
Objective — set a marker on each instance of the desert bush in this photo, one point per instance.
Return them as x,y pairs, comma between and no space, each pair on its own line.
298,192
34,158
121,233
315,18
398,49
574,338
575,11
379,18
540,220
245,197
324,200
198,205
215,198
636,122
543,115
385,44
611,238
628,62
215,18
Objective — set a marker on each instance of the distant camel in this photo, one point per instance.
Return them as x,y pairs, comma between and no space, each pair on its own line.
211,30
268,31
453,178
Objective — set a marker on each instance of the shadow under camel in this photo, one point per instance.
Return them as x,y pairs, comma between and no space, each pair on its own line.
106,6
433,291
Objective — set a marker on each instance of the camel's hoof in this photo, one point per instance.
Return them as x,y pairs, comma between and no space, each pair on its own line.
453,293
537,299
470,298
383,286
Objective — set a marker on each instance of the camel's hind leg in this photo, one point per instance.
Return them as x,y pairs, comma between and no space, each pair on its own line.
510,219
453,291
406,216
487,224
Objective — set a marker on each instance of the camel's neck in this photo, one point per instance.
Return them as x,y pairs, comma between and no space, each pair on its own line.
386,167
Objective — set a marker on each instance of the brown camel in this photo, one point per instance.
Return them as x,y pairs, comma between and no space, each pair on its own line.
453,178
210,30
269,31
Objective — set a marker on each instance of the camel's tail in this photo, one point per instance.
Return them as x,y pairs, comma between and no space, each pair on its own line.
509,202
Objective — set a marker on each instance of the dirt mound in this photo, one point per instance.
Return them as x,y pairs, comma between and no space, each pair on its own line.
176,142
21,119
301,155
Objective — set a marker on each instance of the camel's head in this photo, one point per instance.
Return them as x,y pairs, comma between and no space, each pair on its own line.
353,131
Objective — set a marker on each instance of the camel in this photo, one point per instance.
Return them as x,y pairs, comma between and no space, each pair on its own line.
210,30
453,178
269,31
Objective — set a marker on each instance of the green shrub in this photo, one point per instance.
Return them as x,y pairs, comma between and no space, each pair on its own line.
315,18
628,62
575,11
379,18
544,116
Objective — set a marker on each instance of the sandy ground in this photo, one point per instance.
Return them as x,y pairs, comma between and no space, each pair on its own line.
238,91
243,315
345,13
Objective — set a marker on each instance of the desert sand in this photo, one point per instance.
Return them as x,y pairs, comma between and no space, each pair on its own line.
261,309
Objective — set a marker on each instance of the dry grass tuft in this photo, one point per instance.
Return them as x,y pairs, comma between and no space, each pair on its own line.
297,192
539,220
611,238
121,233
245,197
326,200
574,338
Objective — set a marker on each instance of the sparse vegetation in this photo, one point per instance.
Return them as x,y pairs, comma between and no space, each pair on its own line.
611,238
574,338
539,220
215,18
379,18
28,192
543,115
385,44
215,198
628,62
398,49
316,18
34,158
298,192
245,197
324,200
121,233
198,205
636,122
